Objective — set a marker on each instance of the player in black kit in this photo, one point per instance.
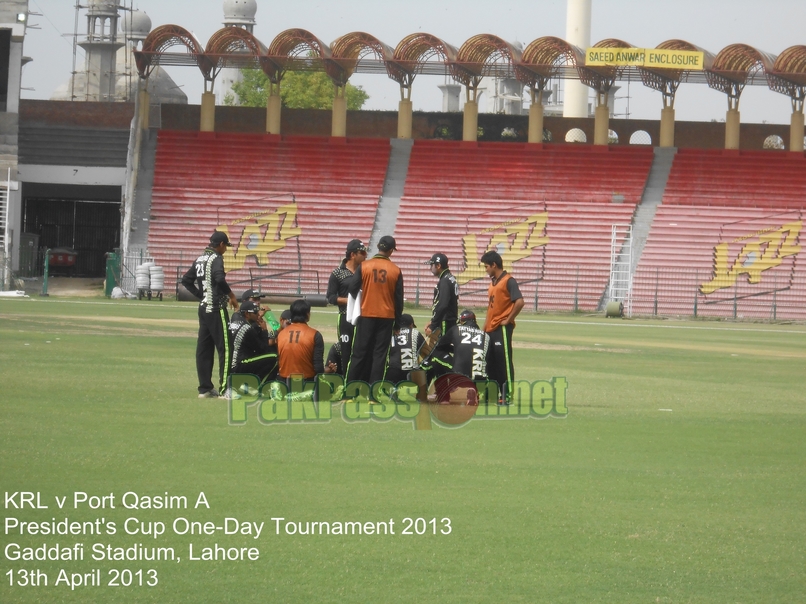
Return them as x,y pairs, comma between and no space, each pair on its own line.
337,295
463,349
403,355
251,352
445,307
207,281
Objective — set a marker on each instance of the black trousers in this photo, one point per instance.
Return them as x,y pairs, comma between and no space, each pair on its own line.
499,359
396,375
437,366
213,336
346,331
370,353
264,367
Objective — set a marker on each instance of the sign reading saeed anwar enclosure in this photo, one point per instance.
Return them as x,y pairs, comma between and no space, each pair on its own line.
645,57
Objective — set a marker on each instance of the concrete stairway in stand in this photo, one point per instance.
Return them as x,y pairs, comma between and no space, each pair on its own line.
641,221
650,200
141,212
386,217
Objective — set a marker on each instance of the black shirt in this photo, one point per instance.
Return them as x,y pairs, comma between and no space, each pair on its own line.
337,285
445,309
207,281
248,340
405,346
334,356
469,346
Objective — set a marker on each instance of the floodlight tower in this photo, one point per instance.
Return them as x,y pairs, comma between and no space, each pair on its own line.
578,33
101,46
237,13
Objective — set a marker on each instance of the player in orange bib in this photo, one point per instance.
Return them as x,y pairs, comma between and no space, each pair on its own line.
505,302
301,347
381,285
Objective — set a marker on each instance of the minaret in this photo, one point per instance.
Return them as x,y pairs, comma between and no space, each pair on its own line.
101,46
578,33
135,29
237,13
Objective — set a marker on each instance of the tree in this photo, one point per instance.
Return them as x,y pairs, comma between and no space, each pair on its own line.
299,90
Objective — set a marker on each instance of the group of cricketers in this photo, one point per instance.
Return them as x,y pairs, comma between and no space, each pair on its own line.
377,341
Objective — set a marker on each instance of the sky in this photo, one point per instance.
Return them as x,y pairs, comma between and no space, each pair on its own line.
770,26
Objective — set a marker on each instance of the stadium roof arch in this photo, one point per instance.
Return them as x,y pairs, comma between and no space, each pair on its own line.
666,81
788,75
411,56
484,55
230,41
348,50
156,44
601,79
480,56
734,67
543,59
287,46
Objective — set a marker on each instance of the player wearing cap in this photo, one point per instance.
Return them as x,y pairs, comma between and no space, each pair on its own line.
445,307
285,319
381,285
404,350
251,351
301,346
255,297
207,281
337,292
266,315
463,349
505,302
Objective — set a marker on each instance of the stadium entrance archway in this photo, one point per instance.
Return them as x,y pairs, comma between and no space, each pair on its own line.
82,218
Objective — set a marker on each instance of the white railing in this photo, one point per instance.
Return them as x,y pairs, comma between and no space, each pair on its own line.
5,244
128,264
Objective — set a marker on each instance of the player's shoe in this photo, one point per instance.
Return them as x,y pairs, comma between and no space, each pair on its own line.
209,394
247,389
230,395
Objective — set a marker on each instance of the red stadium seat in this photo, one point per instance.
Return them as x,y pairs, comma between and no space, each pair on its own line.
202,182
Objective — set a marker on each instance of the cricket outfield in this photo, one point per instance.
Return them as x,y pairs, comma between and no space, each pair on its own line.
676,474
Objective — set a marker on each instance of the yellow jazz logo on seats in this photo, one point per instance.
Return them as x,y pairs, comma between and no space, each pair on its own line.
515,240
263,234
758,252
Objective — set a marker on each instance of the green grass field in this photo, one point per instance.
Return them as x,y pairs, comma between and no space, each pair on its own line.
677,475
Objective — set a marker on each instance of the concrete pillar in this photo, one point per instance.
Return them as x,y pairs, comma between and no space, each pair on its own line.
339,116
602,125
470,127
15,69
404,118
207,112
536,122
145,106
450,97
578,33
732,127
667,127
273,114
796,131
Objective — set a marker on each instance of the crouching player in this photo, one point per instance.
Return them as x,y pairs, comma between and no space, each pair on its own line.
301,347
253,349
463,350
404,352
